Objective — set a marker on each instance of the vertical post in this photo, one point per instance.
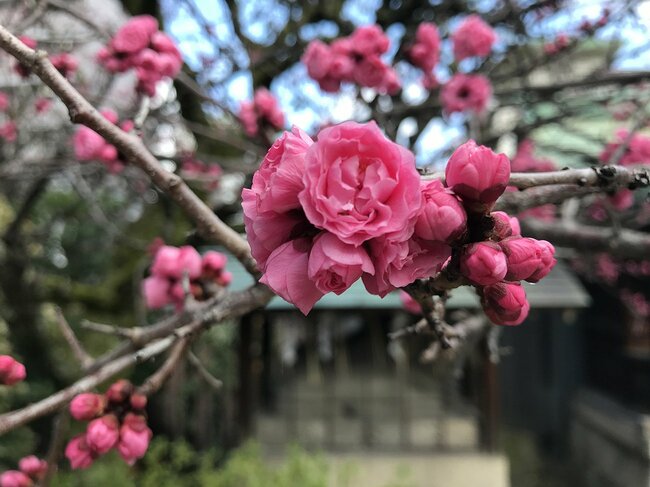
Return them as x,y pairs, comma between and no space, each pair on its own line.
244,393
489,396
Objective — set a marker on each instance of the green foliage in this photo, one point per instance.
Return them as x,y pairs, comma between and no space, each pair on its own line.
176,464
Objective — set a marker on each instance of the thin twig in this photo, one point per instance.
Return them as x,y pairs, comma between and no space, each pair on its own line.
158,378
205,374
77,349
81,111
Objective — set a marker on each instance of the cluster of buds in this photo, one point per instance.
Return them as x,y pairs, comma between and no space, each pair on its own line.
193,169
589,27
139,44
205,275
264,111
380,223
116,419
355,59
90,146
11,371
560,43
31,470
494,256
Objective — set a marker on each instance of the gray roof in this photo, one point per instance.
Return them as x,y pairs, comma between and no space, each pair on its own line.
560,289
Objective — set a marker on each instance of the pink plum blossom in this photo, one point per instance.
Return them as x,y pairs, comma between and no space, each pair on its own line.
466,92
473,38
360,185
442,216
334,265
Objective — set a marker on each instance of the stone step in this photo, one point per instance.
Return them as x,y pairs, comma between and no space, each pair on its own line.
448,432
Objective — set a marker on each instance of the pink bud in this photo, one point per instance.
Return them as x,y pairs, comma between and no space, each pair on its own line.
443,217
14,478
477,175
502,224
11,371
547,261
505,303
224,278
156,292
103,433
79,453
87,406
483,263
176,261
134,438
523,256
138,401
33,466
119,391
213,262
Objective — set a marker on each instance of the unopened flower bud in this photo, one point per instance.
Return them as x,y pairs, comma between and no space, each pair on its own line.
505,303
478,175
483,263
87,406
103,433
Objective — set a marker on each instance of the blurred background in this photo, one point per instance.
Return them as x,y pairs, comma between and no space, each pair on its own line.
333,398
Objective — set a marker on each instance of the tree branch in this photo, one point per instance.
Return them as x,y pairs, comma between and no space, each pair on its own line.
232,306
621,243
81,111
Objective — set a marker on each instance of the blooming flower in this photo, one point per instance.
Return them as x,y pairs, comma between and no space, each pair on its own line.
334,265
399,263
473,38
466,92
360,185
